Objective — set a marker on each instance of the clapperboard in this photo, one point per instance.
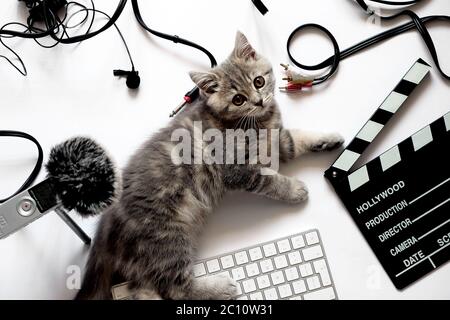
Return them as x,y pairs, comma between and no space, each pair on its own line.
400,200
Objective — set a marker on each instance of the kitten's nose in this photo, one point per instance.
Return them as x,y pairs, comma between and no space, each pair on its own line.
259,103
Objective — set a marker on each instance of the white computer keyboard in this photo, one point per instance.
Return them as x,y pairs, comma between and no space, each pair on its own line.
293,267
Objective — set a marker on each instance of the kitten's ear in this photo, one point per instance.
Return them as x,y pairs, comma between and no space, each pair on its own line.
243,49
206,81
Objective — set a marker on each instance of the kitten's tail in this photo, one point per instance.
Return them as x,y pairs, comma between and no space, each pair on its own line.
98,276
97,280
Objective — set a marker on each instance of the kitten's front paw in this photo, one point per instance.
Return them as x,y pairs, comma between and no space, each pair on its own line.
225,287
298,191
328,142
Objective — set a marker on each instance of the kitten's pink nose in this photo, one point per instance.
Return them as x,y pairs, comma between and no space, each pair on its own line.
259,103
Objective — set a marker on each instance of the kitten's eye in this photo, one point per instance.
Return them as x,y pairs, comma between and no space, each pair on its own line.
239,100
259,82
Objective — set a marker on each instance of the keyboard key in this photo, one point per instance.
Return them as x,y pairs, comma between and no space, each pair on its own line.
312,238
270,250
199,270
296,298
256,296
243,298
298,242
225,273
306,269
320,267
313,282
322,294
238,273
252,270
266,265
241,257
295,257
213,265
280,262
285,291
239,289
277,277
312,253
299,286
271,294
291,274
227,262
249,285
255,254
283,246
263,282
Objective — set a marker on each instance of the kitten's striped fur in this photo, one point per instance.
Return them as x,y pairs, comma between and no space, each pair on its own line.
149,236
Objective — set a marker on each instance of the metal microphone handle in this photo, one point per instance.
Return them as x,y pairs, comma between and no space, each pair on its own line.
75,227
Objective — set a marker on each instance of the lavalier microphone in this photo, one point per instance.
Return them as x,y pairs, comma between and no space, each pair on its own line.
133,78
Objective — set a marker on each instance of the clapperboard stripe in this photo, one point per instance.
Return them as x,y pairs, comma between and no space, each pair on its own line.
375,125
447,121
394,155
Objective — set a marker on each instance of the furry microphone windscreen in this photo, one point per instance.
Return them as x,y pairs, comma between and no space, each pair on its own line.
83,175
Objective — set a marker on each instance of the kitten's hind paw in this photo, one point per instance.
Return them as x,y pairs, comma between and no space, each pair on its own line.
328,142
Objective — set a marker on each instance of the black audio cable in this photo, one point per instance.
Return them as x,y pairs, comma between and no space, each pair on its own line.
51,21
260,6
297,82
48,12
37,168
191,95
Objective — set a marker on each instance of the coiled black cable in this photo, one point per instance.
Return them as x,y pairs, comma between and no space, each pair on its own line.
46,11
332,62
37,168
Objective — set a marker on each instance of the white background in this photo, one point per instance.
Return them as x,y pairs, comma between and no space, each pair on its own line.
70,91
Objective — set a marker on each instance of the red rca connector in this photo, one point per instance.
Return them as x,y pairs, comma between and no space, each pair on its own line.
296,86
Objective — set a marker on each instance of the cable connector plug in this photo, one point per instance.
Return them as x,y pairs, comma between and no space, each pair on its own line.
295,87
295,81
295,77
188,98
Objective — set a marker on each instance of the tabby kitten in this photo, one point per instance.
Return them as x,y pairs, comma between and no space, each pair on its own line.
149,236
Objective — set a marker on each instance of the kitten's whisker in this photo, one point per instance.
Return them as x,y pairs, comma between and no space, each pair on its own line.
256,123
244,120
236,126
247,123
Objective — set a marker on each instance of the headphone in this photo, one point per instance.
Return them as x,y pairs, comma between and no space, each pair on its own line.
55,17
